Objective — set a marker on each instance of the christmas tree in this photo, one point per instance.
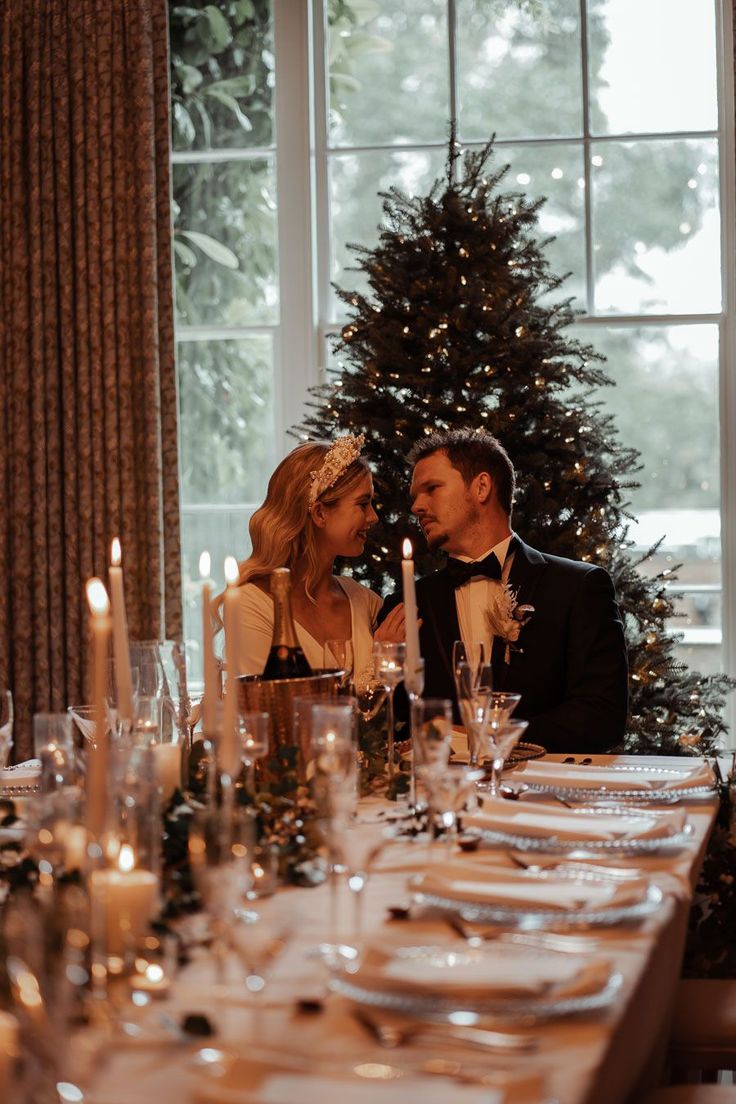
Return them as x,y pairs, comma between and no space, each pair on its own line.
460,326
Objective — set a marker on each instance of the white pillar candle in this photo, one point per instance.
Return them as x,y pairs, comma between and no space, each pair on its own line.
167,758
74,840
124,901
121,645
211,690
8,1052
96,786
412,679
227,750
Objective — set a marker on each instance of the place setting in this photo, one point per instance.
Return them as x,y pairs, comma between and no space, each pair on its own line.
614,783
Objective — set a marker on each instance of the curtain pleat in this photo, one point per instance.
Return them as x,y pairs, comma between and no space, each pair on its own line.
88,404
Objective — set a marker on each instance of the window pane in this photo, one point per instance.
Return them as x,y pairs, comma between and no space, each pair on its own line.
659,253
222,74
519,69
638,88
225,243
221,533
665,404
227,422
355,181
388,67
557,173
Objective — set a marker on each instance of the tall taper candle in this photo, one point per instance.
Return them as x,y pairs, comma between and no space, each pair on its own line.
210,702
412,677
121,646
100,627
227,750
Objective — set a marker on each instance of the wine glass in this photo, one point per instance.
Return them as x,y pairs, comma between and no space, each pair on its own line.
389,660
449,791
338,654
501,739
112,704
253,732
358,845
260,932
53,744
473,702
84,718
6,726
431,727
369,693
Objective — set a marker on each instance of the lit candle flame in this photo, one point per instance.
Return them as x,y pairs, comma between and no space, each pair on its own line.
232,571
126,859
116,553
205,565
407,549
99,603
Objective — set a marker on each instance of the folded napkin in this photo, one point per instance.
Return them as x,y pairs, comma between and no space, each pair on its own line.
492,972
22,774
522,819
568,776
521,890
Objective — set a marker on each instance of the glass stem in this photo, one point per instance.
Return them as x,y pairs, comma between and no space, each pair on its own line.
390,719
357,885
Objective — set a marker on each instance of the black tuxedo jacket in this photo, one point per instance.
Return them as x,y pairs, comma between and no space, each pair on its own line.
570,667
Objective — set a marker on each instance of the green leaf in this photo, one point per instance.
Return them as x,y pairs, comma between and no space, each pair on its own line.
186,255
359,43
183,125
344,82
189,77
213,29
243,9
215,250
232,104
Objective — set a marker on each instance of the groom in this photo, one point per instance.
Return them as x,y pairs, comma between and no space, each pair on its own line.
566,654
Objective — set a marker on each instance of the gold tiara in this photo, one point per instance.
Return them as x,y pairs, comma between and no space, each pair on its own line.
338,458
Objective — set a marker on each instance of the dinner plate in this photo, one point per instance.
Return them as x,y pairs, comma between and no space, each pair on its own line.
531,917
553,845
435,1007
600,793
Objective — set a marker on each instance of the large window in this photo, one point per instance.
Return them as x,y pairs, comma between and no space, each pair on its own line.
621,137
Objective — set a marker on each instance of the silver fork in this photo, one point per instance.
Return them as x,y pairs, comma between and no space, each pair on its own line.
392,1035
552,941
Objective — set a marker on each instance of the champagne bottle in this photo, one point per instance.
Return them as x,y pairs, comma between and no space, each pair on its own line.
286,659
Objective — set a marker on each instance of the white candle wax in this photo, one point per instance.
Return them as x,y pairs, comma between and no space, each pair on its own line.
211,689
96,783
121,645
124,902
412,677
74,840
167,758
227,751
8,1052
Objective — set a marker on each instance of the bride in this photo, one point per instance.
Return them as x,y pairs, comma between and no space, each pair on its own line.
319,505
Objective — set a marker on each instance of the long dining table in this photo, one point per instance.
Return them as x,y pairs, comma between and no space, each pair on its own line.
605,1057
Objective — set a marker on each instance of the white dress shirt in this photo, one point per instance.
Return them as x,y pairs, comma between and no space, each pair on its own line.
473,599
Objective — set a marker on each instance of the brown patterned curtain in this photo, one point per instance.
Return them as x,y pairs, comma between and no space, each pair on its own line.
88,445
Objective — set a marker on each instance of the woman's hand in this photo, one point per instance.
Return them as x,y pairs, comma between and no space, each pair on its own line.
393,629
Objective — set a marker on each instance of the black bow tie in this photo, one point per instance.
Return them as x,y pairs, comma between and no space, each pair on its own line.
461,572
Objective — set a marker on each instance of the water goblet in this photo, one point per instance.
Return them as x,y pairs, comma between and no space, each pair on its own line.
6,726
501,739
389,661
260,932
253,731
53,744
449,792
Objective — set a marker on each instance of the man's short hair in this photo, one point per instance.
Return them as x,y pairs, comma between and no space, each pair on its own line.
472,451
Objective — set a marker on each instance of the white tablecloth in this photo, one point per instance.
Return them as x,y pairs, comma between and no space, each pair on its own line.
597,1059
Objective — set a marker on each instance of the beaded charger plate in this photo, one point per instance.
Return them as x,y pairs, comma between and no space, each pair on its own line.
523,752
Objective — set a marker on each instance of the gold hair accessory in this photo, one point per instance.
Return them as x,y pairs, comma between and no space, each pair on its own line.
338,458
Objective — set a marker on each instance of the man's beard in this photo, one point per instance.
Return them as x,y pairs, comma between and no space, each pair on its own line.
436,541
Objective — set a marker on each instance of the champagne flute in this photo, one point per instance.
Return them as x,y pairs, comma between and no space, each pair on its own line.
389,660
473,654
339,654
431,726
474,703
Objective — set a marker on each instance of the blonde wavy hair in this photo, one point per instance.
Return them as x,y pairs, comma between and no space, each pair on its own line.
282,532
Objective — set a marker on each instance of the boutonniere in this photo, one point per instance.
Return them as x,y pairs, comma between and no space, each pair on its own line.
506,618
